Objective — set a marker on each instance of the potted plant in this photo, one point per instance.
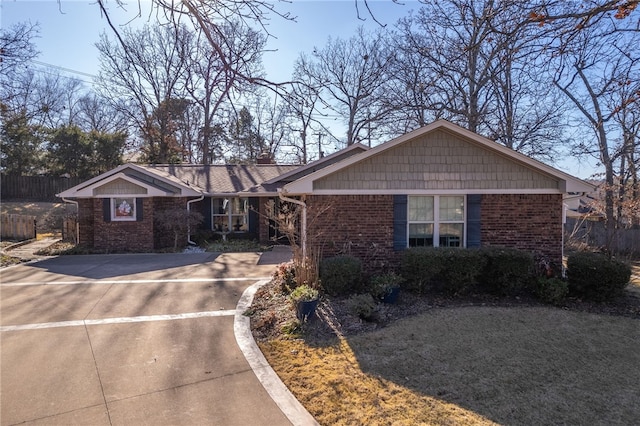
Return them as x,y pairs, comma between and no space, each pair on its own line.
305,299
386,287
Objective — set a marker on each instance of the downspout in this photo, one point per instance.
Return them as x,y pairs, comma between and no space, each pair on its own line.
77,221
303,225
564,221
188,211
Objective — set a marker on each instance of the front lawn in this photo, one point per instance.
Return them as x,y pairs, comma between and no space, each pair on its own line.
462,363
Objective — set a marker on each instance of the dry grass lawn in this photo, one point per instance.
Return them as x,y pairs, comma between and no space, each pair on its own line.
471,365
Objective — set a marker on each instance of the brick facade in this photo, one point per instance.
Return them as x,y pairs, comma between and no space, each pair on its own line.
359,225
123,235
362,225
531,222
140,236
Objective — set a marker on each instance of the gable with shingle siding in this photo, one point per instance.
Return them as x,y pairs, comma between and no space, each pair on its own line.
437,160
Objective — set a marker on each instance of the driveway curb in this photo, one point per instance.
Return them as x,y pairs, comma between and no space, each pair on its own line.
280,394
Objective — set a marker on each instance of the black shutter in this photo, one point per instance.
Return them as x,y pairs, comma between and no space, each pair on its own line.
207,213
106,209
254,218
473,220
399,222
139,208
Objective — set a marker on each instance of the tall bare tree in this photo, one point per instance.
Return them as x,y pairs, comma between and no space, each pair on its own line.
350,74
600,73
142,74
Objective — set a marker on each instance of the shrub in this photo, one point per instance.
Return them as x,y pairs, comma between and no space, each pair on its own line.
507,271
461,269
419,266
551,290
453,270
285,277
381,285
340,275
362,305
304,293
596,277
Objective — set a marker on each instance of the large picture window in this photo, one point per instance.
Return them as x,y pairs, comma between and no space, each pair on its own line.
123,209
436,221
230,214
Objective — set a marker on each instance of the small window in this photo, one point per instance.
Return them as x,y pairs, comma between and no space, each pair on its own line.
123,209
230,214
436,221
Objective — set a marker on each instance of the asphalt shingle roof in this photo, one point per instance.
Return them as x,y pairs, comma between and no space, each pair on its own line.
222,179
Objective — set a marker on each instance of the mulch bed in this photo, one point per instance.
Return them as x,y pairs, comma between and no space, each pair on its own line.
272,312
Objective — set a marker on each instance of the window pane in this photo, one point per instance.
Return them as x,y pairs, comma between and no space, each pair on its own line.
239,223
420,235
420,208
221,223
451,234
220,205
451,208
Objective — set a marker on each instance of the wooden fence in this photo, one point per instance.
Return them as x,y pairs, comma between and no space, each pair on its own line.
70,229
17,226
594,235
41,188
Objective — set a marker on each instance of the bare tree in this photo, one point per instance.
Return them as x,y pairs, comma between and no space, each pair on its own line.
143,77
599,72
351,74
209,82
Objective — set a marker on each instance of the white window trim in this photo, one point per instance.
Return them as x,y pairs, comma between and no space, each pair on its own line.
229,215
115,218
436,219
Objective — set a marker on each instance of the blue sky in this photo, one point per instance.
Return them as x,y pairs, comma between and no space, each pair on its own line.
69,30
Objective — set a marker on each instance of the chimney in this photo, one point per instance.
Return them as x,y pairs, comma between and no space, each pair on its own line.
265,158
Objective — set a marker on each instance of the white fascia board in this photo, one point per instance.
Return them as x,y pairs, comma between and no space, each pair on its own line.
425,191
567,182
152,191
70,193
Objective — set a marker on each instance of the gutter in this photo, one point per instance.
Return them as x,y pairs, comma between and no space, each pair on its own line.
77,221
189,210
303,225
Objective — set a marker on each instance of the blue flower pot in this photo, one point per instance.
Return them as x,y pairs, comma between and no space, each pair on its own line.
306,310
392,296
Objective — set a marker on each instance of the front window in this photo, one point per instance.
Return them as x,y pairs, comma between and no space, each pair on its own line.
230,214
436,221
123,209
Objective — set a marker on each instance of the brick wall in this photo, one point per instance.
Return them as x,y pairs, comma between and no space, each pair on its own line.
85,222
359,225
531,222
362,225
163,238
123,235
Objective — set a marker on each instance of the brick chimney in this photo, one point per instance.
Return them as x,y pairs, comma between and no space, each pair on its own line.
265,158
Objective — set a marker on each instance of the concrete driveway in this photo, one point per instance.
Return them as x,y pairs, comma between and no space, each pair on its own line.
129,340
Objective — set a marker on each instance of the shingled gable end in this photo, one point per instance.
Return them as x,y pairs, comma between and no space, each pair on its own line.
440,185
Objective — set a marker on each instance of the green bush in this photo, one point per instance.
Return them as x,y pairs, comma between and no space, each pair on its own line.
507,271
340,275
362,305
596,277
381,285
453,270
304,293
551,290
462,269
419,266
